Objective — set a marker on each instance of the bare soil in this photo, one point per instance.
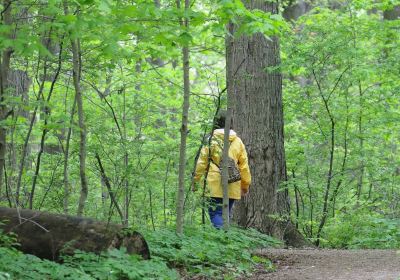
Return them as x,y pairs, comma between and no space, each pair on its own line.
330,265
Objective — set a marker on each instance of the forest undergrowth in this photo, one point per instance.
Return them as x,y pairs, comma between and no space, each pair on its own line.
200,252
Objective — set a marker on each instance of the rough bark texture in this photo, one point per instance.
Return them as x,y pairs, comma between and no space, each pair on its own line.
258,118
46,235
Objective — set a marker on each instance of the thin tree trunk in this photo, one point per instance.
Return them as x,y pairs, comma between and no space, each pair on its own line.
110,191
40,97
325,101
310,194
228,121
151,208
51,183
82,129
339,183
296,195
224,175
165,192
66,161
8,189
27,138
331,159
5,59
45,130
184,130
76,74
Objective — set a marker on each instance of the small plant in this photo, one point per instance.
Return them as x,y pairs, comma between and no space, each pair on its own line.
265,263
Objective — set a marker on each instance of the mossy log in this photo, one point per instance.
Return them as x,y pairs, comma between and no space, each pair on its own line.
48,235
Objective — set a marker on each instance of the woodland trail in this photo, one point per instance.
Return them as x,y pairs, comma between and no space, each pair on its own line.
331,265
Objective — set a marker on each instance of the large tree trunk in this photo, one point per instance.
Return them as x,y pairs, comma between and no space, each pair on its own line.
46,235
258,118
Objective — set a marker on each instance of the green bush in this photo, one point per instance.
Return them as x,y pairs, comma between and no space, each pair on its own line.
208,251
15,265
361,230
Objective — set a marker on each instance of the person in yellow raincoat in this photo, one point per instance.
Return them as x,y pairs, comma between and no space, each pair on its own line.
212,160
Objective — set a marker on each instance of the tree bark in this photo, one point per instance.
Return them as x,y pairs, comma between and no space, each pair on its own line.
228,121
82,128
4,71
258,119
48,235
76,76
66,182
184,131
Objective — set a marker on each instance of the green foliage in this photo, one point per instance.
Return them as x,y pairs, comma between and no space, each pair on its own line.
19,266
210,252
340,106
249,21
207,252
7,240
362,231
116,264
266,264
132,94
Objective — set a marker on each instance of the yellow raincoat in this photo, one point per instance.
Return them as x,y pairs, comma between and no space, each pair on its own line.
237,151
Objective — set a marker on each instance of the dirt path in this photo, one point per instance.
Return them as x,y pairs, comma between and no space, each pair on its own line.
331,265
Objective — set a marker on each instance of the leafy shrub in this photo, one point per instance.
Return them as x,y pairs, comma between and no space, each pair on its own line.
208,251
15,265
116,264
362,230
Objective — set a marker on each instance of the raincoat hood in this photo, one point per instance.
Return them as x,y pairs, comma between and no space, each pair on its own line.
221,131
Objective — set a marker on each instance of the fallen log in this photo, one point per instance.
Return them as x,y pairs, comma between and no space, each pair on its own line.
48,235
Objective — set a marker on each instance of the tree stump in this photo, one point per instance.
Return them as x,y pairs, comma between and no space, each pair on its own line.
48,235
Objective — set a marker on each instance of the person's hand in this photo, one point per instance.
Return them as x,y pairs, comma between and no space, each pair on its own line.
244,192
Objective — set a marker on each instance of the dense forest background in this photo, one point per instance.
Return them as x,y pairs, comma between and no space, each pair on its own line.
91,109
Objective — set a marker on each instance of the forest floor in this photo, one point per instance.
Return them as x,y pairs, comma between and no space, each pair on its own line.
330,265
